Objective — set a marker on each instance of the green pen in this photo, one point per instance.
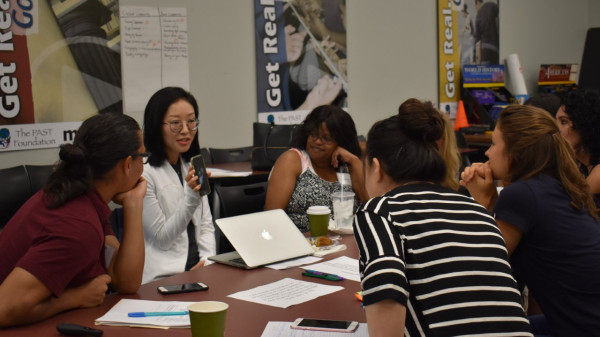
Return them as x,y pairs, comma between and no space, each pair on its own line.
325,276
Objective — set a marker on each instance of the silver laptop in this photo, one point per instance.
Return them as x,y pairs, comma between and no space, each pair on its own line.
261,238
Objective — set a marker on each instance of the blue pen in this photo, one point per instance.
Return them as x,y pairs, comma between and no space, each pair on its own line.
156,313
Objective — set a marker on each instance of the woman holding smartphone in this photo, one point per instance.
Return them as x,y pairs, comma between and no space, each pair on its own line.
178,226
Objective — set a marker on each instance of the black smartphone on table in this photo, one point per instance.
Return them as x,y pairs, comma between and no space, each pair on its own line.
182,288
200,171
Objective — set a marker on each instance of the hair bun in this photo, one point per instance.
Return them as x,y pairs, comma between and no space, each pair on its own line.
420,121
72,154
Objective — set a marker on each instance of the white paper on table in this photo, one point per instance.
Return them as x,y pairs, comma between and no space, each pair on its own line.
220,173
282,329
117,315
343,266
285,292
293,263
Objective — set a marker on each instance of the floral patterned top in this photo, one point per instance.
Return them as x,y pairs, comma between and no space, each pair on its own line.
311,190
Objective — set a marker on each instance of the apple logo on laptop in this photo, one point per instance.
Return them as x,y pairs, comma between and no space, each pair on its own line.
266,235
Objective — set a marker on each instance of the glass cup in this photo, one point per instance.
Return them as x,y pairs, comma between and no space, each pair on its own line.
343,209
318,219
207,319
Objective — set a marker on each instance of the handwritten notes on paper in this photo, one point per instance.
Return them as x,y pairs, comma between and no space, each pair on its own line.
285,293
154,52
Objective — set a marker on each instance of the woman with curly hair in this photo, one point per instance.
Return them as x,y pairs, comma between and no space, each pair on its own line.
579,123
306,175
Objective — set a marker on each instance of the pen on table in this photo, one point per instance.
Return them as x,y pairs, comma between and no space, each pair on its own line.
156,313
318,274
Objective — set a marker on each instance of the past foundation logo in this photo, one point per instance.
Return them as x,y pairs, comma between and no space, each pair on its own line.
4,138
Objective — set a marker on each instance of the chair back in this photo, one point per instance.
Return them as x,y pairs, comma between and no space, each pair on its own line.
232,200
221,156
205,152
38,175
15,191
18,184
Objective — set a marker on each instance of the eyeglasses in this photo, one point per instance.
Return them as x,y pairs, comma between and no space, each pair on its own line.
145,156
324,139
177,126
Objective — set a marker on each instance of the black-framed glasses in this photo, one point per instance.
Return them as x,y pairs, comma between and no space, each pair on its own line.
324,139
177,126
145,156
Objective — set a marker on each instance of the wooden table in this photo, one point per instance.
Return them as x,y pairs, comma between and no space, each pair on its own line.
244,319
478,139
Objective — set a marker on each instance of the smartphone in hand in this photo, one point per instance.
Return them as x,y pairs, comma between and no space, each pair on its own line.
200,170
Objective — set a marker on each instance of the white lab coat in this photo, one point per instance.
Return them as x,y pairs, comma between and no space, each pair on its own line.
168,208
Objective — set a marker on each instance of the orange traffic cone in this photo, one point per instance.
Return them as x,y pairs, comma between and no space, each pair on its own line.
461,117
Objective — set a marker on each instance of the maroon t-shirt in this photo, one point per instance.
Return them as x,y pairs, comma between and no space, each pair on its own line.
62,247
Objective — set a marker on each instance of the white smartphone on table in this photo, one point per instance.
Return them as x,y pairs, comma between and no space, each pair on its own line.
324,325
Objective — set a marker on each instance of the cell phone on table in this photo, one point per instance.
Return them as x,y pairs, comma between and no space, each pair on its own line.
200,170
324,325
182,288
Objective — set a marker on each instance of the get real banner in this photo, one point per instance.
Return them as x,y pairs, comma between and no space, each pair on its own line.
468,34
300,57
448,56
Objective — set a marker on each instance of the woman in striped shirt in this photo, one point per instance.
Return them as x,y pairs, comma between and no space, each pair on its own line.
432,261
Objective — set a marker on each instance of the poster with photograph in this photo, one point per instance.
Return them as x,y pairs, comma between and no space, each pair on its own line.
60,64
468,33
300,57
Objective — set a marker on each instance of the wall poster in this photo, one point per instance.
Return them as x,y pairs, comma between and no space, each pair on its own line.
154,53
468,33
300,57
60,63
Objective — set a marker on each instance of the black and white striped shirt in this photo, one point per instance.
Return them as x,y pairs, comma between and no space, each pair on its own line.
442,256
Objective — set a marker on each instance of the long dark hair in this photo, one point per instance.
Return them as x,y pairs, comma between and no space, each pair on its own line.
338,122
406,144
155,111
100,143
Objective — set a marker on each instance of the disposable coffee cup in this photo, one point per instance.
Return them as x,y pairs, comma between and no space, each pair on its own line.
207,319
343,209
318,219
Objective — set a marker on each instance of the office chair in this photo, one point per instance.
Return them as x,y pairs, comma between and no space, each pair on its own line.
116,222
38,175
232,200
221,156
462,144
205,152
15,192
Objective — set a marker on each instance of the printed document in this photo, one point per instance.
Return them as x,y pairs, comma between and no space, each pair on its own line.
285,293
117,315
293,263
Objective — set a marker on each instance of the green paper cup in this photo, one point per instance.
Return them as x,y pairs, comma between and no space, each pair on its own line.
207,318
318,219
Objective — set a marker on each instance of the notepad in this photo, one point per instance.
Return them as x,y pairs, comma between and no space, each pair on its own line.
117,315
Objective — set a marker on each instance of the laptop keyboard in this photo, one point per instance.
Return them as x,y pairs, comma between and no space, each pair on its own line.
239,260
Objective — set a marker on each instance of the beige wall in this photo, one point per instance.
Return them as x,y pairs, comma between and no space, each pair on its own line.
392,56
